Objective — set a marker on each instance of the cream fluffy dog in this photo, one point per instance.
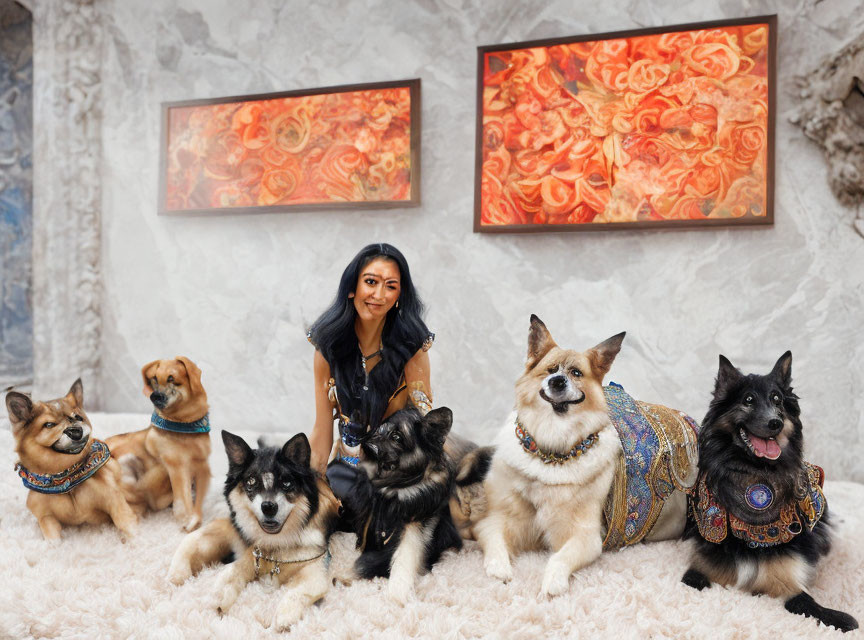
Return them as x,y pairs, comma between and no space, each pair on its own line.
554,464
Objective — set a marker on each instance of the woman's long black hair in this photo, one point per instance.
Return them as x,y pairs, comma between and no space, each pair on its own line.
404,333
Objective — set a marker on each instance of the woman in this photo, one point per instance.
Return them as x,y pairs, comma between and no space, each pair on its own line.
370,358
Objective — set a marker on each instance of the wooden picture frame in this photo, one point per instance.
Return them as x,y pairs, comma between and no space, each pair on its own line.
661,128
342,147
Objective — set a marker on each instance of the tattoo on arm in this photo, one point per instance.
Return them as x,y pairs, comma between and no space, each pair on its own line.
419,397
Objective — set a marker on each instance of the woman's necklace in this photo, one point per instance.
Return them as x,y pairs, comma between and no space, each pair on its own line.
363,360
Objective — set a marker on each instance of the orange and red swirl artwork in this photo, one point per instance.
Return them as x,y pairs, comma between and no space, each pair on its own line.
670,126
332,148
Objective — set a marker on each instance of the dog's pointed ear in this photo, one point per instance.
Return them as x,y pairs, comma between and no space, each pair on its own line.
76,393
603,355
239,453
20,409
540,342
782,370
436,425
727,373
297,450
147,372
193,373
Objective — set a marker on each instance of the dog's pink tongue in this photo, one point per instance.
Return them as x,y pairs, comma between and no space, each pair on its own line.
765,448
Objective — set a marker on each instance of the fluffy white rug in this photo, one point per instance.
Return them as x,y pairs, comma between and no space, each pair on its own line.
91,585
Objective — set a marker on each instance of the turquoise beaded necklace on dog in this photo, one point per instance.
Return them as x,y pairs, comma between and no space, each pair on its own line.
202,425
67,480
530,445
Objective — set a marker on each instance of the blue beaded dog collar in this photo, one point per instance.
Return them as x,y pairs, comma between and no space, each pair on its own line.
70,478
199,426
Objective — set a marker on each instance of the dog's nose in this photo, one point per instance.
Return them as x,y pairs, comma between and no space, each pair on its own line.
269,509
373,448
159,399
557,383
775,424
74,433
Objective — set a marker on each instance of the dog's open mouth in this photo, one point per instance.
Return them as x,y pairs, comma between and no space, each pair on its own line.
271,526
760,447
560,407
73,450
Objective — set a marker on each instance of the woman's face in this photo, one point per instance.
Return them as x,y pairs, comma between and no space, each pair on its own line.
377,290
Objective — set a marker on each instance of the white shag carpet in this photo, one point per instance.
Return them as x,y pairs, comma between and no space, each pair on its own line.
91,585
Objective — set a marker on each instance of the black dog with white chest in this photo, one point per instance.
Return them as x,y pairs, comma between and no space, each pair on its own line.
758,517
406,525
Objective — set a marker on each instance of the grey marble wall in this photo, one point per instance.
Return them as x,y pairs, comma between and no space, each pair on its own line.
236,293
16,194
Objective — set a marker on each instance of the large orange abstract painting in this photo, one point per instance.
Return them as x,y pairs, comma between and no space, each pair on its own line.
662,128
351,146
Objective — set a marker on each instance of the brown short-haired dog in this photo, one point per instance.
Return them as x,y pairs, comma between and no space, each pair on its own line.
71,476
163,462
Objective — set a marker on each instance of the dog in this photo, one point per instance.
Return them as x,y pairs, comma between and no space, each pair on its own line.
71,476
759,519
282,516
405,524
554,484
164,462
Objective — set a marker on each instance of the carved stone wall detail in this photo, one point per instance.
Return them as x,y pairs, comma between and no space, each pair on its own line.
68,39
832,115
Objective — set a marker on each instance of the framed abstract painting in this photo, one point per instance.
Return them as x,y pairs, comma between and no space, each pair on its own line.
669,127
352,146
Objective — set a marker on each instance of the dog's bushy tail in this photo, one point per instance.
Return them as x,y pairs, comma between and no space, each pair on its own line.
473,466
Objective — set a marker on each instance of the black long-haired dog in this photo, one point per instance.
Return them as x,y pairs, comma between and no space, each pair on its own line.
758,517
406,525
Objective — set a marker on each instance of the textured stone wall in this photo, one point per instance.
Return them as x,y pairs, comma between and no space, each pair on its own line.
16,195
236,293
67,225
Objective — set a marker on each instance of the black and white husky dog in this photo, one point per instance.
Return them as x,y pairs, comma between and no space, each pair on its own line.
282,515
758,517
406,525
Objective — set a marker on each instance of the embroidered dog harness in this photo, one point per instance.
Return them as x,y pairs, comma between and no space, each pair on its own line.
67,480
202,425
714,521
660,455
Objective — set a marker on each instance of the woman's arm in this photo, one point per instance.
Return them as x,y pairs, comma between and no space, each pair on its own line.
417,377
321,440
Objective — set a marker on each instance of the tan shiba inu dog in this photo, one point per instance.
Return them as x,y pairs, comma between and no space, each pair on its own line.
164,462
71,476
553,466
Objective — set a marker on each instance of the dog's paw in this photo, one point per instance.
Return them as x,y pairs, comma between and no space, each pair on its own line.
696,579
556,581
192,523
345,577
499,568
179,572
287,615
226,598
400,589
179,511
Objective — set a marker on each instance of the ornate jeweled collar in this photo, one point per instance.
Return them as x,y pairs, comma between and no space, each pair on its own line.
67,480
530,445
258,555
714,520
201,425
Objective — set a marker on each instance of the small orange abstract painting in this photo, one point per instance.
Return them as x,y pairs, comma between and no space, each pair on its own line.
656,128
328,148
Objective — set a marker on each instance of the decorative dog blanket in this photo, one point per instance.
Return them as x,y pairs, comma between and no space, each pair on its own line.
661,455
